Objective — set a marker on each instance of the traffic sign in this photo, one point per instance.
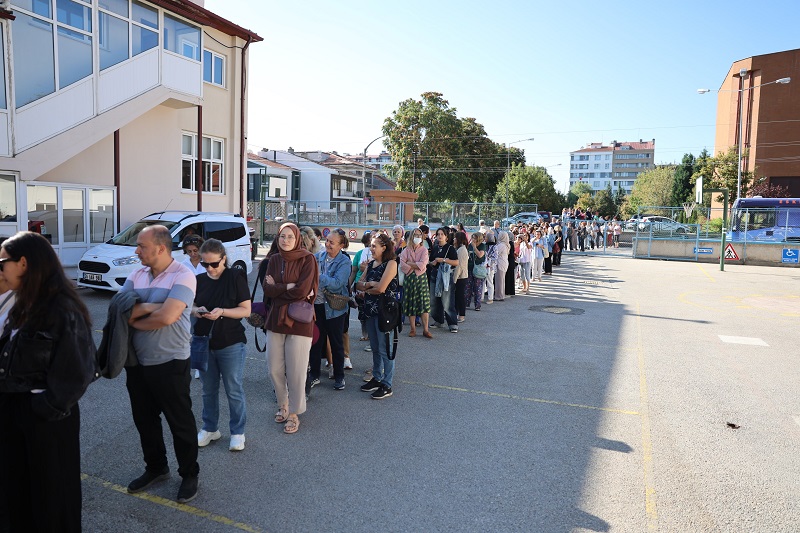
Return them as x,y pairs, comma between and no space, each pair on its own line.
326,232
352,234
704,250
730,253
790,255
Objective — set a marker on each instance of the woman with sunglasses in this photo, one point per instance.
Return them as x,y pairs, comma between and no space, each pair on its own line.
47,360
221,302
292,277
416,294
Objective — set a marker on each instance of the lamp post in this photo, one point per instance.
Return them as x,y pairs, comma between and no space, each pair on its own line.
364,173
508,166
742,75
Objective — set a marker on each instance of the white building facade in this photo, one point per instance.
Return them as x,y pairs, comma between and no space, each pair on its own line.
617,164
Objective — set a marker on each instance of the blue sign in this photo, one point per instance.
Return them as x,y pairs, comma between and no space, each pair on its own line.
790,255
704,250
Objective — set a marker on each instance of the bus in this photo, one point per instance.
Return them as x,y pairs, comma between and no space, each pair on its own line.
765,219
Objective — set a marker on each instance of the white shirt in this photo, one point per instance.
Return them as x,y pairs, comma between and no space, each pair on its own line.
7,300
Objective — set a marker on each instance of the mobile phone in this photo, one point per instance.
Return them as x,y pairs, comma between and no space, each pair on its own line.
203,312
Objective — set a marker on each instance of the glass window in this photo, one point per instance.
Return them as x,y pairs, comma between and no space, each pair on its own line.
40,7
187,169
43,210
73,215
187,145
33,38
217,153
206,148
181,38
208,66
219,63
143,40
8,199
113,40
120,7
101,215
74,57
144,15
74,14
3,103
213,68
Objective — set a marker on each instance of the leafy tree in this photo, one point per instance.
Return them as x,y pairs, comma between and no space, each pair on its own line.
651,188
763,188
720,171
530,185
577,191
619,197
682,185
604,202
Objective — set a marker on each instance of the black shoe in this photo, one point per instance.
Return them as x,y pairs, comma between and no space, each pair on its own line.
371,385
147,479
382,392
188,490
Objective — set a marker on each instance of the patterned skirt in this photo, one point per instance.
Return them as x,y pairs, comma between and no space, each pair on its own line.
416,295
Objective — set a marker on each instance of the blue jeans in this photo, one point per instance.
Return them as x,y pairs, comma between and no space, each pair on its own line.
443,309
382,366
227,363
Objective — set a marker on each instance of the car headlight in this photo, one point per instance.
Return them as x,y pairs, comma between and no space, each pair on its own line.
132,260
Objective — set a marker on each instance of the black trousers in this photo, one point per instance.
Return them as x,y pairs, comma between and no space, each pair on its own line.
158,389
461,296
329,329
40,468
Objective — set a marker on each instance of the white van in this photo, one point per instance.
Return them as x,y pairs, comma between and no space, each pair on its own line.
108,265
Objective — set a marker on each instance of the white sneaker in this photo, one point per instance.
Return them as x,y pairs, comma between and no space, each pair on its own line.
348,364
330,371
196,374
237,443
204,437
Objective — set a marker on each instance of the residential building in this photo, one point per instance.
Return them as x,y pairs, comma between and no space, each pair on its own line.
376,160
617,164
114,109
771,118
277,177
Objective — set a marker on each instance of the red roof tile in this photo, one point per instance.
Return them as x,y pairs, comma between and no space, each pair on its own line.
267,162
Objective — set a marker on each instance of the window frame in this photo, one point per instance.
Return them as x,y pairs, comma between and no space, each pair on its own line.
209,165
214,56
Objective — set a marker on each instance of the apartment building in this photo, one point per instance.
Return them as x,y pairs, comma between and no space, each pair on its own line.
617,164
113,109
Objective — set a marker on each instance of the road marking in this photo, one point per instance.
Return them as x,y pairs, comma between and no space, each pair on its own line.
158,500
523,398
647,443
749,341
703,270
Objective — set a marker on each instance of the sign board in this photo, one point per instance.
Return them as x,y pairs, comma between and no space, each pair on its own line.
790,255
352,234
704,250
326,232
730,253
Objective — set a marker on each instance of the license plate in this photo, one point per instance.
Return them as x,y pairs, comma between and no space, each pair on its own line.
92,277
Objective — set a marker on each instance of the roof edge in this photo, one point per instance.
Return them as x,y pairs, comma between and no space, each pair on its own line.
201,15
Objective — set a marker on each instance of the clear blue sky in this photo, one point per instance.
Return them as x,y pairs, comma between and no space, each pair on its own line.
566,73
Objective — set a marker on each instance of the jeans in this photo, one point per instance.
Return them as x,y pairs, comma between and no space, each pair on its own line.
443,307
226,363
382,366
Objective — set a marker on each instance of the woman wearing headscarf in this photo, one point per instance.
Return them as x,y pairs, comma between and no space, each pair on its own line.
491,264
511,270
292,276
502,250
47,360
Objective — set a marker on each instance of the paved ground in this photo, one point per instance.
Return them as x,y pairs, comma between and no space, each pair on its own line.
601,403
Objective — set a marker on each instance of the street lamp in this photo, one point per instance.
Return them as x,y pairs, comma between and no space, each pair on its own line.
742,75
508,166
364,173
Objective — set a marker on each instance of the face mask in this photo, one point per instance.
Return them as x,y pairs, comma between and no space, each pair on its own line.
417,240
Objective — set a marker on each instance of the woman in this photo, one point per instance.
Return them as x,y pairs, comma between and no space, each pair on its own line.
539,247
491,264
501,249
549,239
416,297
510,289
221,302
524,260
334,274
477,256
292,277
558,245
460,275
443,258
191,250
310,240
47,360
397,239
379,279
617,233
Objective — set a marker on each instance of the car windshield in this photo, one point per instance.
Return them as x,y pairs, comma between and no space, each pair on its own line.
128,236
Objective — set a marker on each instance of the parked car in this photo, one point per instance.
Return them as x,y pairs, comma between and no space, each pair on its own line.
662,225
523,218
108,265
632,222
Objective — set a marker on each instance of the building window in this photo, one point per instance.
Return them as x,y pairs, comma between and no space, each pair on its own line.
33,38
213,68
181,38
3,103
113,39
597,165
213,164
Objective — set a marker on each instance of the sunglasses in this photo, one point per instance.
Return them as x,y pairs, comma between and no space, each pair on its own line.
215,264
2,261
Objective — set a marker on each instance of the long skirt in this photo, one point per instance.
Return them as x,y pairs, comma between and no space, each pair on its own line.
416,295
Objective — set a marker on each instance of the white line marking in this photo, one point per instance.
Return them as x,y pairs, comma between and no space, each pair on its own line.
750,341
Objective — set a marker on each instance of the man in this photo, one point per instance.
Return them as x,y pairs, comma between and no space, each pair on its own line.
420,222
482,226
160,383
497,227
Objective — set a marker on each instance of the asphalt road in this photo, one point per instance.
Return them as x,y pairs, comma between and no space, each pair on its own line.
600,403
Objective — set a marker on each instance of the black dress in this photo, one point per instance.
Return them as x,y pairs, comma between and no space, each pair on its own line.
511,272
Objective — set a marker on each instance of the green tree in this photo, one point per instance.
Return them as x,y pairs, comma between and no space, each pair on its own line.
529,185
720,171
586,202
620,196
604,202
576,191
651,188
682,184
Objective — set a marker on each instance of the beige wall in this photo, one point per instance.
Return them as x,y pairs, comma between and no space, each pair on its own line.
94,166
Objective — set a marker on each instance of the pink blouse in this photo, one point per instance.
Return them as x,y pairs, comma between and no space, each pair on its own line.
410,258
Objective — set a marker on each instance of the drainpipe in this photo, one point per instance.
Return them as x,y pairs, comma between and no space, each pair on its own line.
117,175
198,172
242,138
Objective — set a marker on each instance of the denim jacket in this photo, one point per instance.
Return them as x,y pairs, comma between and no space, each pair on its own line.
333,276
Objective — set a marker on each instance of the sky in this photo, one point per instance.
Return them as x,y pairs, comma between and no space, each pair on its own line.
565,73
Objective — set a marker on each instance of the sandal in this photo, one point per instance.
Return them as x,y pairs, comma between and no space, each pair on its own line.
412,333
427,334
292,424
281,415
364,339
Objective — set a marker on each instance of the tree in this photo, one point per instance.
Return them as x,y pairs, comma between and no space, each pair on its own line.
529,185
721,172
604,202
762,187
651,188
682,185
576,191
620,196
440,156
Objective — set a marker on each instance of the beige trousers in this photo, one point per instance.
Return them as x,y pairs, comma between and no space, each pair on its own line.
288,368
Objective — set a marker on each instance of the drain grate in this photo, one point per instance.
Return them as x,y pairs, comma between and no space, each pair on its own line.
557,310
592,282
